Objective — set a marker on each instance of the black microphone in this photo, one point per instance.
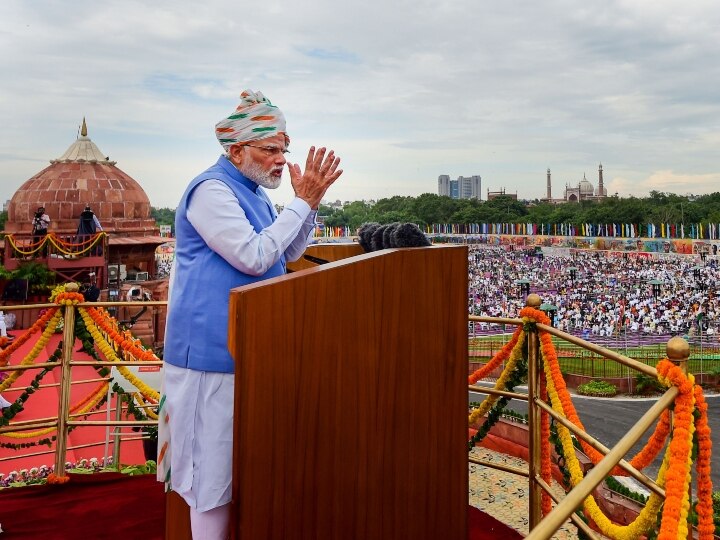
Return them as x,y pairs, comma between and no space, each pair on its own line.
316,260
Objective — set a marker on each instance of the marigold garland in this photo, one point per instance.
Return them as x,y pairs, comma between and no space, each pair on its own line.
490,400
704,507
66,248
68,298
655,443
87,404
33,246
647,516
8,413
21,339
146,405
109,353
502,355
49,320
57,480
124,340
545,463
35,351
77,249
675,471
677,499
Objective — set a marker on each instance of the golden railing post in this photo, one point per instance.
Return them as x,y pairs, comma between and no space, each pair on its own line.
64,406
535,439
678,352
116,432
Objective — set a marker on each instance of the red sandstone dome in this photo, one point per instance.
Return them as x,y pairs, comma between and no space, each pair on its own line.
82,176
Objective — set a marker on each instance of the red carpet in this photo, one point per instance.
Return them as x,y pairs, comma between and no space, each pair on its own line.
89,507
110,505
484,527
44,404
106,505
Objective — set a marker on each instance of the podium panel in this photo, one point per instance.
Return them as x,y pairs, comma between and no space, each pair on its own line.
328,252
351,399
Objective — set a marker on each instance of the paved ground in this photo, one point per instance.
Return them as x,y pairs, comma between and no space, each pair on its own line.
504,495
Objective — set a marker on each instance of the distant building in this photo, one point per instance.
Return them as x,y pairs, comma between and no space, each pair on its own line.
495,194
582,191
465,187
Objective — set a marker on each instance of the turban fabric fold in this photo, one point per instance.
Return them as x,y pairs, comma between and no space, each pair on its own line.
254,119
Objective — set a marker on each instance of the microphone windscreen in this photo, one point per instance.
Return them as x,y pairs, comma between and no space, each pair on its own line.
376,241
409,235
387,235
365,233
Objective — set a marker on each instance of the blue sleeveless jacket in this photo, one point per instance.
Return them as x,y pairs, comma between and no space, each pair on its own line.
197,320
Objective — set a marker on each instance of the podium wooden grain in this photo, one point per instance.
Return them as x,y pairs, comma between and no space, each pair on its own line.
329,252
351,400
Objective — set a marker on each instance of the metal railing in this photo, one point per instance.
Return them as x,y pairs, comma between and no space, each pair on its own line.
541,528
65,420
71,246
544,528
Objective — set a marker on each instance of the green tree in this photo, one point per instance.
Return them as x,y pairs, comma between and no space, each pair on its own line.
540,213
506,209
163,216
430,208
352,215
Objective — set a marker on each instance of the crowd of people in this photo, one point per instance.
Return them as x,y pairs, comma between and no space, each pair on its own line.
599,294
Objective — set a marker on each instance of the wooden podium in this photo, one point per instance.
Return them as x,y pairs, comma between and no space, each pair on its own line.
351,400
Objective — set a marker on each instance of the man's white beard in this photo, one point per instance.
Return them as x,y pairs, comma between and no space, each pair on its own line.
261,177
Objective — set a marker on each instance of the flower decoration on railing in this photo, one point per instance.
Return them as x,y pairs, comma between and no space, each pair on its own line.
689,422
83,407
109,353
511,356
47,323
124,339
49,330
55,479
64,247
41,323
68,298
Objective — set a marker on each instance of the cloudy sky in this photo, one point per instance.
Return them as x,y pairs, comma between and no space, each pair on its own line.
403,90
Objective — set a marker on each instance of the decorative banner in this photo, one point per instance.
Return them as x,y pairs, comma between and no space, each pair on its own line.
685,246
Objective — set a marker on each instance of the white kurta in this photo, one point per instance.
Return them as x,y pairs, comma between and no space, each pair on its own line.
198,405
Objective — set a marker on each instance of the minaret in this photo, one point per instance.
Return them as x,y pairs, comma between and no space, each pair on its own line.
549,186
601,189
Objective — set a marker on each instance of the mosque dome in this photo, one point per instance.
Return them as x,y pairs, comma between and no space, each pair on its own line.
586,188
82,176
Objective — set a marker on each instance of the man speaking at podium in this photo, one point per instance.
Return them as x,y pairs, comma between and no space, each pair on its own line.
228,235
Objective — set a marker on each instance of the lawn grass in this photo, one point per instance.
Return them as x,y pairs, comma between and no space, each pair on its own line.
578,361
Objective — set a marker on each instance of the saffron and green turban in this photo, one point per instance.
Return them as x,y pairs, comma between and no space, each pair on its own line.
254,119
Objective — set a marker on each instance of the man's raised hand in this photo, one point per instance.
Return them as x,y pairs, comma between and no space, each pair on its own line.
321,171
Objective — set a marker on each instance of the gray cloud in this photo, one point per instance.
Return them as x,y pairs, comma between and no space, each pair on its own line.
404,91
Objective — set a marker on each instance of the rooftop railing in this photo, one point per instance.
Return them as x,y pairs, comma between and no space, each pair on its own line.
66,419
542,527
566,508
